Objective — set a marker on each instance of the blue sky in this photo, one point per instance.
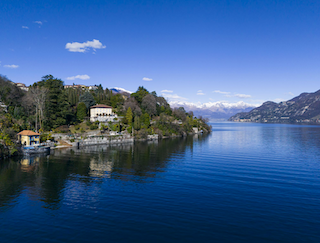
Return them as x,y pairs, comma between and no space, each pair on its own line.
200,51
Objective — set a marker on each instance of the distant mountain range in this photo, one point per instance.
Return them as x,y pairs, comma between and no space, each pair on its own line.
214,110
304,108
211,110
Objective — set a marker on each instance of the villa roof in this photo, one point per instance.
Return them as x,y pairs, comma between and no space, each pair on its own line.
28,133
100,106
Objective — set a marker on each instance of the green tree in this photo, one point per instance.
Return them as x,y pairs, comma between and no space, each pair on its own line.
116,100
57,108
10,94
87,99
145,120
81,111
129,116
140,94
137,124
73,95
99,95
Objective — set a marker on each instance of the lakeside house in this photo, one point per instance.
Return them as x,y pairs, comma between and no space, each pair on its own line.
102,113
27,137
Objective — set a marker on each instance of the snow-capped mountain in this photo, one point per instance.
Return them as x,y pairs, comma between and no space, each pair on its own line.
120,90
304,108
214,110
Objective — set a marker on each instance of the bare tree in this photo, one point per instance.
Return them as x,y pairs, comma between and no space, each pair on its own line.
149,104
180,113
39,95
162,102
133,104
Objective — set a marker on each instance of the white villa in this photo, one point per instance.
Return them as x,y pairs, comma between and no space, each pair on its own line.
102,113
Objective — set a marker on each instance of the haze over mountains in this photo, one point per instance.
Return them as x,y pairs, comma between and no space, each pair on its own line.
212,110
304,108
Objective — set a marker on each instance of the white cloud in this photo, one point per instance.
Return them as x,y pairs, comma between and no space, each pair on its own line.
173,97
221,92
213,106
228,94
199,92
245,96
290,93
147,79
11,66
83,77
166,91
82,47
25,27
38,22
277,100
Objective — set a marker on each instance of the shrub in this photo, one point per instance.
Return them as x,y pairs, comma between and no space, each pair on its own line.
93,127
88,123
44,137
62,129
142,134
129,129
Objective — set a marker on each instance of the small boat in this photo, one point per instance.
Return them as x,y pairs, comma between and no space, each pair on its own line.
36,149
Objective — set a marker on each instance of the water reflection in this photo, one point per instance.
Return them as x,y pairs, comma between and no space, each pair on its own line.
44,178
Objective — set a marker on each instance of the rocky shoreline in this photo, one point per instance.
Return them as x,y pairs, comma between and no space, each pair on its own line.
91,139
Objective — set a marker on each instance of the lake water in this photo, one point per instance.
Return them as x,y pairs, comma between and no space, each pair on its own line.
242,183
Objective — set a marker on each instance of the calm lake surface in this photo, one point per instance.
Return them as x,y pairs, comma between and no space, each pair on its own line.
242,183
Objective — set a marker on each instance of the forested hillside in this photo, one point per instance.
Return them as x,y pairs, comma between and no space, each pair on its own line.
48,107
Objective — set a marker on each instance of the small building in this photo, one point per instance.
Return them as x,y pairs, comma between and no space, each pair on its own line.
68,86
75,86
102,113
22,86
27,137
92,87
3,107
